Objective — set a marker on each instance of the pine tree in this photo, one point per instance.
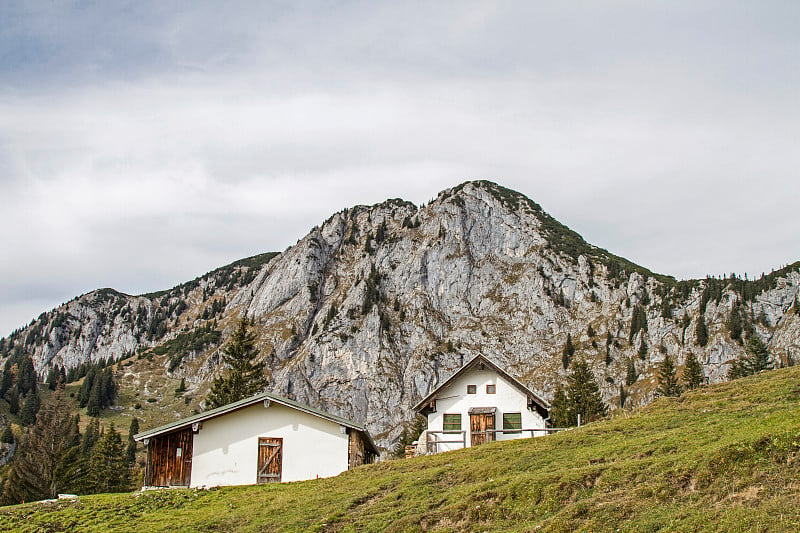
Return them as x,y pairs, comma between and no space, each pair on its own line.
410,433
52,377
13,400
630,375
245,377
93,405
86,386
692,372
582,397
30,407
8,435
734,324
643,350
567,352
701,331
26,381
7,382
755,359
667,379
110,470
132,430
559,409
90,437
47,457
638,322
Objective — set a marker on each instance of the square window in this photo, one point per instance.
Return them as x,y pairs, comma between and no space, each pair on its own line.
512,421
451,422
491,389
472,389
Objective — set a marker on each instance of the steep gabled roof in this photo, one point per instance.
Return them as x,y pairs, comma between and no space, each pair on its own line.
541,406
219,411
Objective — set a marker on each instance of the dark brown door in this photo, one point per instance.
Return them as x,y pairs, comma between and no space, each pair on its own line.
169,459
270,459
478,424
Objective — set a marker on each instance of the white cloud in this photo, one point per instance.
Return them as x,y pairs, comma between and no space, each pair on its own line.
176,140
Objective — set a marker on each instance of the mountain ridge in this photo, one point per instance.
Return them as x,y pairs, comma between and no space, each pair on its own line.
374,307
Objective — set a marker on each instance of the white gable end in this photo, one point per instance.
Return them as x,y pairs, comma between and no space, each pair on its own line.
493,394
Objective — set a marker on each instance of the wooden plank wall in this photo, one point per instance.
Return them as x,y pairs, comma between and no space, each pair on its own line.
164,467
358,454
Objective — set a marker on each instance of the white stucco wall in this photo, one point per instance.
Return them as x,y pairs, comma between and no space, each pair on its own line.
508,399
226,447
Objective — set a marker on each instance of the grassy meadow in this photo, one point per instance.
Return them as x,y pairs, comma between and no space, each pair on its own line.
724,458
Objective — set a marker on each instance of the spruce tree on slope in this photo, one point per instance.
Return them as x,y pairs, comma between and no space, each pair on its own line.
582,397
30,407
692,373
667,378
756,359
559,409
109,467
244,377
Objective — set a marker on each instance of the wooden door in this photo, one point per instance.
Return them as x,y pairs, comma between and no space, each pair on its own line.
270,459
169,459
478,424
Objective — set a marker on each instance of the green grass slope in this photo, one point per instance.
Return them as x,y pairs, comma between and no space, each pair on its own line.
725,458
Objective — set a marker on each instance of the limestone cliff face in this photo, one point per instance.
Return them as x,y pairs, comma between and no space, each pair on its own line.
368,312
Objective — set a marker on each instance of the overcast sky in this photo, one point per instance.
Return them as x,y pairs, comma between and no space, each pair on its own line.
143,144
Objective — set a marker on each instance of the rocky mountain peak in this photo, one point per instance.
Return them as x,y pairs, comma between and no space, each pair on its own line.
373,308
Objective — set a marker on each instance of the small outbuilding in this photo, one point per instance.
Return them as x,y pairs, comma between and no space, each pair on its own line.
478,404
261,439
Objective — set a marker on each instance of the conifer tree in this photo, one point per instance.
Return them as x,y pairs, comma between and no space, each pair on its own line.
410,433
93,405
667,378
755,359
133,429
47,457
109,469
630,375
567,352
581,397
701,331
52,377
692,372
13,400
559,409
26,381
643,350
30,407
244,377
90,437
8,435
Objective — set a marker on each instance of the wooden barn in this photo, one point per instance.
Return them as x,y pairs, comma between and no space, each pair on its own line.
262,439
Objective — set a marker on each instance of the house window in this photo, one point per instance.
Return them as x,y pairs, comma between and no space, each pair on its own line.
452,422
512,421
491,389
472,389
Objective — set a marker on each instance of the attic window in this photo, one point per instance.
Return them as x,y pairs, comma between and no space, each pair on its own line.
451,422
472,389
491,389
